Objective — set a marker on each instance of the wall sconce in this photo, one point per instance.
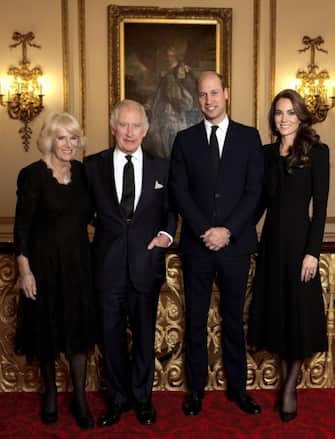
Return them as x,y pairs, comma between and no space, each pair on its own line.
23,88
312,84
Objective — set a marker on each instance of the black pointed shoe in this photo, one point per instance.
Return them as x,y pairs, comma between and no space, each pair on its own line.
47,416
83,418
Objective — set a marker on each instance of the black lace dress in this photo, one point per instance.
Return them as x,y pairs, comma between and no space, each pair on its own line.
51,231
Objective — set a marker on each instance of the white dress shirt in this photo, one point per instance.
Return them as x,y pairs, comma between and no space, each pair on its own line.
119,160
220,132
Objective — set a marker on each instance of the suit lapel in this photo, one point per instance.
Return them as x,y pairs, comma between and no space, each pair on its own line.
110,179
147,182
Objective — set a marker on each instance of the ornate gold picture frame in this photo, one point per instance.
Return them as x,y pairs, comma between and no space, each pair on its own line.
155,56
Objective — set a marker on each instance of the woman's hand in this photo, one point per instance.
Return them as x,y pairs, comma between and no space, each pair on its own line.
309,268
28,285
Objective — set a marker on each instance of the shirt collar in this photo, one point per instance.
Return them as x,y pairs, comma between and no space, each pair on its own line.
223,125
137,155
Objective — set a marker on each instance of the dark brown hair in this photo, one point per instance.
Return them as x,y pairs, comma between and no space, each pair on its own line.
305,137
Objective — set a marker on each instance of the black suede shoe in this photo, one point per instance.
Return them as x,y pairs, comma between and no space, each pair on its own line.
83,418
244,401
47,416
146,413
113,414
192,404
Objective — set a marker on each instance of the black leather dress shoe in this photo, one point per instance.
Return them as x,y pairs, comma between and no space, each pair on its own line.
245,402
146,413
192,404
84,419
287,416
112,415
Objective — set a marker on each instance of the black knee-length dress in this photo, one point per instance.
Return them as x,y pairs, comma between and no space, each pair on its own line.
51,231
286,316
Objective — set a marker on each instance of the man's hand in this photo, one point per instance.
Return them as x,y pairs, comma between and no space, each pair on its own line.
216,238
159,241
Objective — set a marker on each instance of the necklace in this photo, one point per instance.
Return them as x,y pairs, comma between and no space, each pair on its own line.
66,179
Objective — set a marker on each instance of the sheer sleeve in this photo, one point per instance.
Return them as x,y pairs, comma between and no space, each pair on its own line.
28,188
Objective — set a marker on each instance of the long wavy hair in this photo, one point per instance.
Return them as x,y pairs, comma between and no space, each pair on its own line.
305,136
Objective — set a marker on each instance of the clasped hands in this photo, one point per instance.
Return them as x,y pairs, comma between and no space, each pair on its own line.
215,238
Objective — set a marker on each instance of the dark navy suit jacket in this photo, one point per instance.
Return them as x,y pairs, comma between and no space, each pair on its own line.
120,248
228,200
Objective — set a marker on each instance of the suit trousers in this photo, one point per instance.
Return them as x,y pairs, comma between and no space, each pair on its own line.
129,375
231,275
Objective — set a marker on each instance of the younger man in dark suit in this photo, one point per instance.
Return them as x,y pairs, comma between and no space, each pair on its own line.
216,180
134,226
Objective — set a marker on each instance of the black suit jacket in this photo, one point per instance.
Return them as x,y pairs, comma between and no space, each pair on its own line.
120,248
228,200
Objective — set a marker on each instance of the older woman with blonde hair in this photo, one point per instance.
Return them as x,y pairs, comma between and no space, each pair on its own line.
56,308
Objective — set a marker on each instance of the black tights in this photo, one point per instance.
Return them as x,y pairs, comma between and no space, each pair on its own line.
78,366
289,374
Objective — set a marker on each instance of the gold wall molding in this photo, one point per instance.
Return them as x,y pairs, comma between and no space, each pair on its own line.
263,371
82,60
65,42
273,36
257,16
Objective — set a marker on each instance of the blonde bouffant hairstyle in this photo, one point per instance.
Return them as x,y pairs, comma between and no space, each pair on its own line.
52,123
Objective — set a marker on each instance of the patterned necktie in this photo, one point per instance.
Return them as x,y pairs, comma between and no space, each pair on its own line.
128,189
214,146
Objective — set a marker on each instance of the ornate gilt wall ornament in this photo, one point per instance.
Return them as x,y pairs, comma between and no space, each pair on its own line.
17,375
24,88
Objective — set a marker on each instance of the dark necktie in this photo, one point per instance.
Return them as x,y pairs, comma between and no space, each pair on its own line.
128,189
214,146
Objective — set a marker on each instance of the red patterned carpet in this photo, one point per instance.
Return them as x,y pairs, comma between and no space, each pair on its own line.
19,418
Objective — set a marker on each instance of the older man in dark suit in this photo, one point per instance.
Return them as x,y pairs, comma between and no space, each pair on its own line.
216,180
134,226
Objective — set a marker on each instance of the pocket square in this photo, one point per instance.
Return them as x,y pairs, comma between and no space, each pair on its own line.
158,185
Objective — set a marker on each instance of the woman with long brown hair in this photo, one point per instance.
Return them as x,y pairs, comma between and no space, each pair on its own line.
286,314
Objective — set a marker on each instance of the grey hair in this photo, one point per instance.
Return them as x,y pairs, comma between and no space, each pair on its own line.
128,103
52,123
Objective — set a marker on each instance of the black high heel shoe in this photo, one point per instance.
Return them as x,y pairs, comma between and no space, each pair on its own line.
288,416
47,416
84,419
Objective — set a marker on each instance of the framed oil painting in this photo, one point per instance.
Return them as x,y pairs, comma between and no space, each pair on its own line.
155,56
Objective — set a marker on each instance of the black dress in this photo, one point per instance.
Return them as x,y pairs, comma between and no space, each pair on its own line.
51,231
286,316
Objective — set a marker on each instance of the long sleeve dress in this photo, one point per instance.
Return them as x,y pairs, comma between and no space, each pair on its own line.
286,316
51,231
